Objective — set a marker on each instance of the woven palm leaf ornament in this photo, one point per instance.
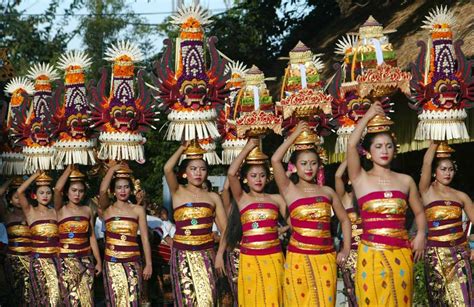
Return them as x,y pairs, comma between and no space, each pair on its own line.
231,143
35,134
442,85
191,91
348,106
73,145
20,90
257,110
302,71
121,115
303,97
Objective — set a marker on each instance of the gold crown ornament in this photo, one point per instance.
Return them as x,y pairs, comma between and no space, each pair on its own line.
256,156
194,151
379,124
306,140
123,172
444,150
43,180
76,175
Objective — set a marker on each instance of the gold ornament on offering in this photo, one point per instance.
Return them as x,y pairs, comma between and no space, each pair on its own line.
123,172
444,150
76,175
194,151
379,124
256,156
43,180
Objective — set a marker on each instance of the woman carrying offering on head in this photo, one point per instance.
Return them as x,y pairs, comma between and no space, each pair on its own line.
384,274
123,273
345,193
310,268
195,209
447,257
17,263
77,242
43,222
254,220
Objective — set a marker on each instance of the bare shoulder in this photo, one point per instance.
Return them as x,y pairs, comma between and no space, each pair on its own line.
215,197
138,210
404,178
464,197
328,191
277,198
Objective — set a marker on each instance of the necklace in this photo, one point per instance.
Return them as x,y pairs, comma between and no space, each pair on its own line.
309,190
259,198
384,182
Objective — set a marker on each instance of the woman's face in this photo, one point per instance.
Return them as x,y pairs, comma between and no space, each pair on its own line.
444,172
44,195
122,190
76,192
15,201
256,178
382,150
196,172
307,166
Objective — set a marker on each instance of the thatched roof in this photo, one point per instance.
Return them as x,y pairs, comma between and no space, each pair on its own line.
407,20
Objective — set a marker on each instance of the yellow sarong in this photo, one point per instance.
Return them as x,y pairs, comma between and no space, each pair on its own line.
384,277
310,280
261,280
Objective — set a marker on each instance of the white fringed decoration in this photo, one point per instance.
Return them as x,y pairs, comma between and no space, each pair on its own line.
192,125
74,152
211,155
13,163
442,125
343,135
39,158
231,149
121,146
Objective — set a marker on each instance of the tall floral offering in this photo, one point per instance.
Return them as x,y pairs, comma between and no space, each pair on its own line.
442,85
348,106
35,133
231,143
120,115
257,111
190,91
302,71
13,160
74,145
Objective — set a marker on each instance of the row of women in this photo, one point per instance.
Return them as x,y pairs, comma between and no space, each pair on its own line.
53,254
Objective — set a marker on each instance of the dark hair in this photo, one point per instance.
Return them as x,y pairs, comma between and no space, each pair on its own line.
294,157
244,170
233,234
66,189
182,169
208,184
369,139
437,161
114,181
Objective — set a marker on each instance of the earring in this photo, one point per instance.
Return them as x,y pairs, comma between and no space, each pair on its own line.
245,181
184,176
368,156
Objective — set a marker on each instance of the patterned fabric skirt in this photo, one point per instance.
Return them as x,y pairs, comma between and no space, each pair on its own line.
448,276
384,277
76,276
194,277
232,272
261,280
348,275
44,282
123,283
17,270
310,280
